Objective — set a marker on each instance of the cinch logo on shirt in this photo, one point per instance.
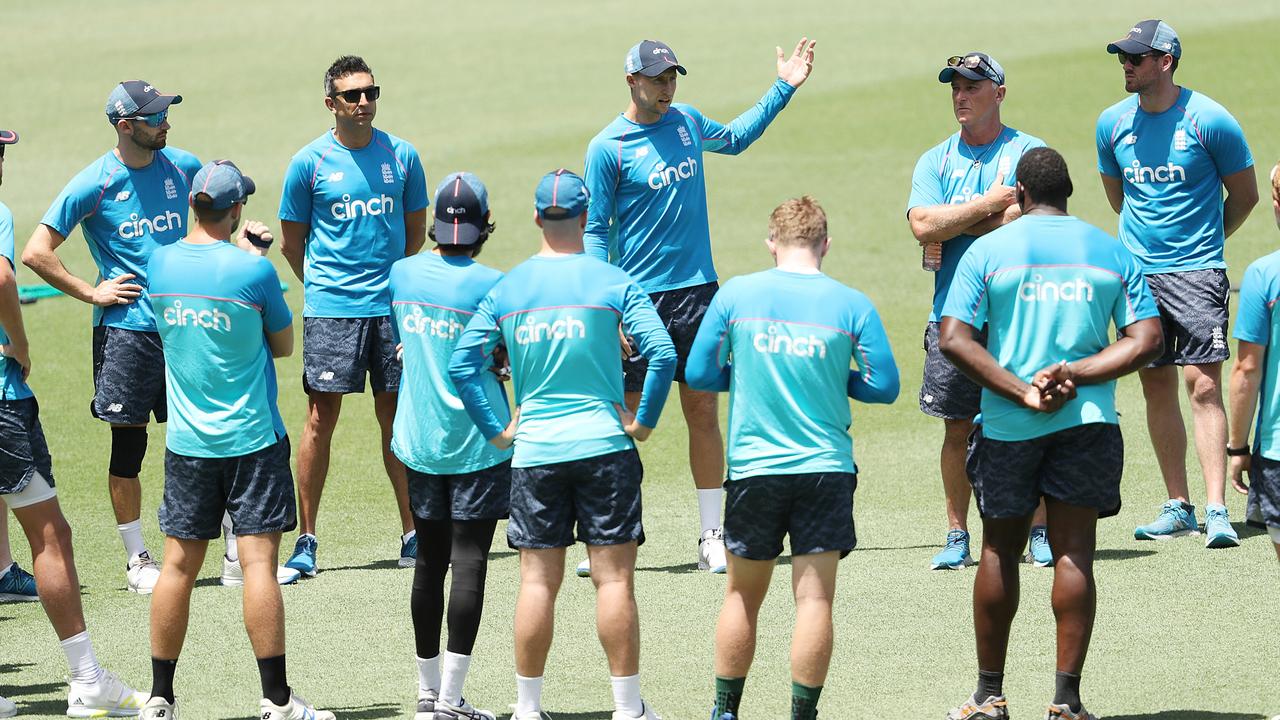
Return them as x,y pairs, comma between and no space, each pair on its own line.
348,209
965,195
532,331
418,323
137,227
1041,290
667,175
210,319
1160,173
773,342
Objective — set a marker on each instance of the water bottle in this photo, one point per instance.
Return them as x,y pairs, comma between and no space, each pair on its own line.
931,257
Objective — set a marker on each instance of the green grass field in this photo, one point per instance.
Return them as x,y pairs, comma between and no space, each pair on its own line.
510,90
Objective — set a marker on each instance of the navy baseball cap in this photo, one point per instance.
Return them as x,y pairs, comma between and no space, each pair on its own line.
561,195
462,204
1146,36
651,58
972,65
132,98
223,183
8,137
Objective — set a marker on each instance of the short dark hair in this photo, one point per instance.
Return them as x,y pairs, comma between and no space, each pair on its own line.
1042,172
342,67
204,213
473,248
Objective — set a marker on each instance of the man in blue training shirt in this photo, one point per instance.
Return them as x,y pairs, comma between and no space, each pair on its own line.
127,203
648,215
1049,287
559,314
459,484
354,201
1165,154
963,188
781,342
223,318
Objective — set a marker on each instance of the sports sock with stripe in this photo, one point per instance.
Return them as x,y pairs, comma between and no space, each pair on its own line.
728,695
804,701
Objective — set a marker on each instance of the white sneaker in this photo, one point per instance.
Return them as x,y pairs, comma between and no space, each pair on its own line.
7,708
157,708
426,706
584,568
142,573
297,709
648,714
233,574
711,551
462,711
109,697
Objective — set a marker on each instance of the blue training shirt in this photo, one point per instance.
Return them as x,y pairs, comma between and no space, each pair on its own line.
782,344
1171,165
559,318
125,214
1048,289
12,386
1258,323
953,173
648,211
215,304
433,297
355,202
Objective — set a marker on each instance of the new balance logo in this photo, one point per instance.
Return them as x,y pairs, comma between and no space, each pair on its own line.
1131,139
122,196
1139,173
1041,290
532,331
335,177
667,175
642,152
326,375
136,227
774,342
115,407
177,316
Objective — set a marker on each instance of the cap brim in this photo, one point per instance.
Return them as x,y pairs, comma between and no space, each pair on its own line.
8,137
456,233
249,186
158,104
950,72
1128,45
555,212
657,69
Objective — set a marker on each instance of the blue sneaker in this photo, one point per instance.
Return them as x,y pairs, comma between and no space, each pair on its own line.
724,716
1038,552
1176,518
18,585
1217,528
304,556
956,553
409,552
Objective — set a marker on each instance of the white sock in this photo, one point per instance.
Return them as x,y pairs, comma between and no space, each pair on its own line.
232,551
428,675
407,536
626,694
528,695
454,673
81,660
131,534
709,504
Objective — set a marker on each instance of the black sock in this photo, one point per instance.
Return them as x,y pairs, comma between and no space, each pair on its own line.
990,684
275,686
1066,690
162,678
728,695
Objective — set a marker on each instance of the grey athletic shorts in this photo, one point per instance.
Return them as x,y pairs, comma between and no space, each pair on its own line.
681,311
480,495
23,451
814,509
256,489
337,352
128,376
1193,312
600,495
945,392
1264,488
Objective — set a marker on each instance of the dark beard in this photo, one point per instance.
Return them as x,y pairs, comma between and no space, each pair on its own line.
153,143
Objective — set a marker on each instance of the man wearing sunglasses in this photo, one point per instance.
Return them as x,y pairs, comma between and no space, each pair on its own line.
1165,154
127,203
354,202
963,188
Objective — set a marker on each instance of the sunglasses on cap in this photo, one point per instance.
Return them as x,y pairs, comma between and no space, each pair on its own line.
154,119
1138,59
971,62
353,96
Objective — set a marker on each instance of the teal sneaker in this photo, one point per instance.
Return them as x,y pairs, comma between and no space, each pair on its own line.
409,552
956,553
18,585
1176,518
1217,528
1038,552
304,556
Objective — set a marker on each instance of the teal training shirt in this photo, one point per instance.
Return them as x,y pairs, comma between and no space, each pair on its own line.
1257,322
12,386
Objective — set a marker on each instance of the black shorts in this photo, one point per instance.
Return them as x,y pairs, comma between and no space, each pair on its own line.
1193,312
337,352
480,495
815,509
600,494
681,311
945,392
1264,488
23,451
1078,466
256,489
128,376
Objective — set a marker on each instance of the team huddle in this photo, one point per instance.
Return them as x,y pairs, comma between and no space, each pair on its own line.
522,395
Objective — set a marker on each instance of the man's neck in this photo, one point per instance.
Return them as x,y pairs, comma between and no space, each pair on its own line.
134,155
982,134
558,247
203,234
1043,209
353,137
640,117
1160,98
798,260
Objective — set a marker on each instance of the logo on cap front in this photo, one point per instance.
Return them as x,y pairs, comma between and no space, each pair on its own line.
660,51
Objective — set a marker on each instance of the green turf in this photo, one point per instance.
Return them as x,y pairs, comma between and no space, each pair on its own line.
510,90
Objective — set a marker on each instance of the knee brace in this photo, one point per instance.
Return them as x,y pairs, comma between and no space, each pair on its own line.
128,447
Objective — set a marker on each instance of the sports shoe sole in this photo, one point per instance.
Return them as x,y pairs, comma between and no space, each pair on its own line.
944,566
304,573
717,570
14,597
140,591
1137,535
1216,542
87,712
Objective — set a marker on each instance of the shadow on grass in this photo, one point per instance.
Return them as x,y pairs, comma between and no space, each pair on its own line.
674,569
861,548
14,691
1245,530
1189,715
501,554
361,712
375,565
1121,554
13,667
55,708
597,715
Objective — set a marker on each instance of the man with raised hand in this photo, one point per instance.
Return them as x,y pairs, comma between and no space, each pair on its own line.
961,189
27,488
1049,287
782,342
648,216
129,202
223,318
354,202
559,314
1165,154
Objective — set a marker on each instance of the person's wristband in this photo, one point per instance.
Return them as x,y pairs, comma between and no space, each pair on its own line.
1237,452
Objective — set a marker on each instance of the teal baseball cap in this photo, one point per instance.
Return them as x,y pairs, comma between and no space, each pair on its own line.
1146,36
561,195
219,185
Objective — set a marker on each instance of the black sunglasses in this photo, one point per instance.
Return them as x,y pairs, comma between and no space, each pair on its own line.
972,62
1138,59
353,96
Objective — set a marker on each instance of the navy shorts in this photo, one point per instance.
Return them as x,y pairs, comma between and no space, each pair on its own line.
480,495
337,352
1193,312
23,451
681,311
815,509
600,494
256,489
946,392
128,376
1264,488
1078,466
